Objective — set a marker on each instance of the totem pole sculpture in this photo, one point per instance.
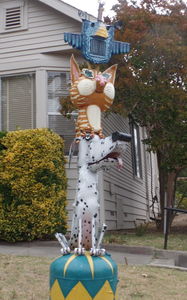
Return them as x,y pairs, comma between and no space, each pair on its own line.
85,271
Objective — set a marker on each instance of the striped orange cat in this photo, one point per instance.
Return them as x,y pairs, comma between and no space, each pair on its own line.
92,92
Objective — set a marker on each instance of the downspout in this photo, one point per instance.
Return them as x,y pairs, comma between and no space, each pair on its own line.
146,180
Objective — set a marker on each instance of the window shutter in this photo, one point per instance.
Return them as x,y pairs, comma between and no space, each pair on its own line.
18,102
13,17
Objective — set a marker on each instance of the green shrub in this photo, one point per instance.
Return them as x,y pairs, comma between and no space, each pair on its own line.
32,185
2,134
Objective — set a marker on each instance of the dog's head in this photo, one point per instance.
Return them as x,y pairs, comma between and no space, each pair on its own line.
104,153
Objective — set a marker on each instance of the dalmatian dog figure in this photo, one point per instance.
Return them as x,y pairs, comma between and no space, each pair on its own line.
91,92
94,154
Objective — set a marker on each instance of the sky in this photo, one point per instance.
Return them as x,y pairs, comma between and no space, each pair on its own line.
91,6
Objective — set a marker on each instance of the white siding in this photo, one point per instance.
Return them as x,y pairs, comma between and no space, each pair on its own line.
44,34
126,197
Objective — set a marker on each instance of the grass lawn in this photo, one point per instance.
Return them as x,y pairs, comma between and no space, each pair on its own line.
147,235
176,241
26,278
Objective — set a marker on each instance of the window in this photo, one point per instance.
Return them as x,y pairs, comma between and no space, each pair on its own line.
17,102
136,150
58,87
14,16
98,47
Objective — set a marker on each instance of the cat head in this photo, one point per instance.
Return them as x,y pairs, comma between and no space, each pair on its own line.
90,86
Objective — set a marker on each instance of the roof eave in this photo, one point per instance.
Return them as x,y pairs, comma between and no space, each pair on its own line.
66,9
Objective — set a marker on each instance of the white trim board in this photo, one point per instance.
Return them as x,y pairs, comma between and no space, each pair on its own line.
66,9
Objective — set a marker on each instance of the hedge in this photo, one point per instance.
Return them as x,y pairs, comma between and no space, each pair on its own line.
32,185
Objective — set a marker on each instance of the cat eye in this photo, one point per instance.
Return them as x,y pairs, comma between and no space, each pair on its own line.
88,73
107,76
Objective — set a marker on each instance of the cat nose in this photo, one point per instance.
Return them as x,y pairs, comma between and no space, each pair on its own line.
100,86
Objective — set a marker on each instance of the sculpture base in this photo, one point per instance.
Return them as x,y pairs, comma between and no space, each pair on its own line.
83,277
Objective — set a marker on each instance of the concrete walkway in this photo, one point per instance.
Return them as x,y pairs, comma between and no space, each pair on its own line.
121,254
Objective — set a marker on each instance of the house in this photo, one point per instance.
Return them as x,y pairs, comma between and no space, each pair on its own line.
34,73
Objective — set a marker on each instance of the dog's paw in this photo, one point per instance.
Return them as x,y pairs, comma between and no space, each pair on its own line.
97,252
65,251
79,251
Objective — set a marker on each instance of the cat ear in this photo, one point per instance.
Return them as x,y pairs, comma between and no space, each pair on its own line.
112,72
75,71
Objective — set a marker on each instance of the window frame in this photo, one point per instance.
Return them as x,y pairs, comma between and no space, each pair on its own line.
136,151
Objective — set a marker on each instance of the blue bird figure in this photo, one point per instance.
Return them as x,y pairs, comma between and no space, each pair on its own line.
96,42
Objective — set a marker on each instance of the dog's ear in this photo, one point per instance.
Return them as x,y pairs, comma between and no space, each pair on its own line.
75,71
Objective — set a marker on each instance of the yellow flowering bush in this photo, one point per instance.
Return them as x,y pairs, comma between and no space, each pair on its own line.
32,185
